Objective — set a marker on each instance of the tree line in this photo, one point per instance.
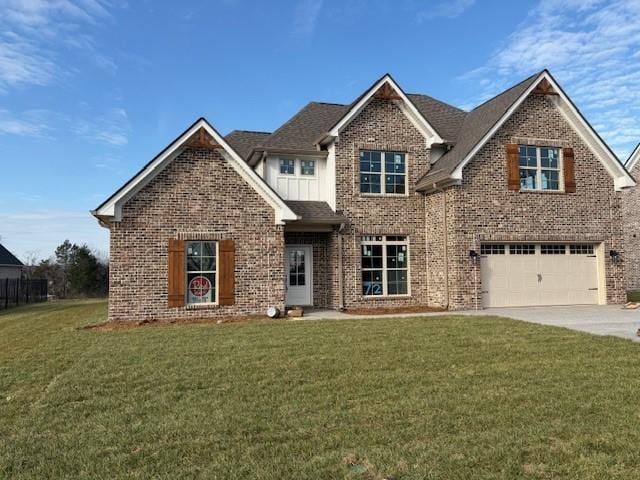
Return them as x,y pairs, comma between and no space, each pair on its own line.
73,271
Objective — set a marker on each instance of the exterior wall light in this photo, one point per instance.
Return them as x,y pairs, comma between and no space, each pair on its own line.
473,255
615,256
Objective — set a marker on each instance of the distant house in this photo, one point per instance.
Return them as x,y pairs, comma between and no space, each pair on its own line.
10,266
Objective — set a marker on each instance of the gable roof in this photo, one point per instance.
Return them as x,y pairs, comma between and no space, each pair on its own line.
8,259
111,208
244,141
315,212
484,121
632,161
445,118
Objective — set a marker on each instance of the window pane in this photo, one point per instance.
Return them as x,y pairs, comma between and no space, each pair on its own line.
527,179
394,162
553,249
394,184
491,249
301,279
201,287
527,157
372,282
550,180
370,183
209,249
549,157
370,162
208,264
397,256
307,167
397,282
287,166
193,264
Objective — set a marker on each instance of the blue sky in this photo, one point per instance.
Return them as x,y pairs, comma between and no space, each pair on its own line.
90,90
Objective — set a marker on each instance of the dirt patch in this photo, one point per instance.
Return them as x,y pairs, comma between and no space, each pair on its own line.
392,310
109,326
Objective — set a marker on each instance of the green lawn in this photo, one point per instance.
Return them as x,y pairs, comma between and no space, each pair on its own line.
442,398
633,296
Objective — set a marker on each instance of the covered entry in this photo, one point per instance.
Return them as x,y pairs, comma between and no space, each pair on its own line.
529,274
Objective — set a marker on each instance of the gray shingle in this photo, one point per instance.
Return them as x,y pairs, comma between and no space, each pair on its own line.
445,118
244,141
315,212
476,125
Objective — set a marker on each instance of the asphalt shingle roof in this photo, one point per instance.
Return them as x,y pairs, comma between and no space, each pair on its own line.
244,141
8,258
314,212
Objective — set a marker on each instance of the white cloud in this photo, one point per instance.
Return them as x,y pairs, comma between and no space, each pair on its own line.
108,128
591,47
446,9
42,231
32,32
306,16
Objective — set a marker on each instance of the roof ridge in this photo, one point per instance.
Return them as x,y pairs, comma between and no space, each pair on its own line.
329,103
507,90
248,131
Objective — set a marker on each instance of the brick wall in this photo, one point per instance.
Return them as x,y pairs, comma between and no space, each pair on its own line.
380,126
483,209
198,192
631,212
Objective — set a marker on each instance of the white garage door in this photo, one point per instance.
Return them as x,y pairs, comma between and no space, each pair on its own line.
538,274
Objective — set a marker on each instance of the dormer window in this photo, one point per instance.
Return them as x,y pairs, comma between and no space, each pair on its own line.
383,173
287,166
308,167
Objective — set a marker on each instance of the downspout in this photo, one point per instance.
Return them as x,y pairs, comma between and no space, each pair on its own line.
340,271
446,250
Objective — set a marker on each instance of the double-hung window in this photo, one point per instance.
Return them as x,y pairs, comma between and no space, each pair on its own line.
383,172
201,272
385,265
539,168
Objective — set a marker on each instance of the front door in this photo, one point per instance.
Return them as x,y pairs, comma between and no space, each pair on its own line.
297,265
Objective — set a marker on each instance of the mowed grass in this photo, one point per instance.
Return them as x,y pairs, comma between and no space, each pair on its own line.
444,397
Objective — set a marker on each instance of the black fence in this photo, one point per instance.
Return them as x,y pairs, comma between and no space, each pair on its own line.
17,291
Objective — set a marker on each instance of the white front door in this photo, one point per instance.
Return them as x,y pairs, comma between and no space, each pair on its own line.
297,265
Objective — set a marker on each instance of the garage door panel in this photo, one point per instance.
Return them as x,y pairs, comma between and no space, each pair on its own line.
516,279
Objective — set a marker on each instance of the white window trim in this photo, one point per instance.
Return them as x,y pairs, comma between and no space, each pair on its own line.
383,174
538,168
186,275
384,242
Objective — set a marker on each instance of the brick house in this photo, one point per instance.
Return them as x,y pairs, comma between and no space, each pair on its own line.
396,200
631,215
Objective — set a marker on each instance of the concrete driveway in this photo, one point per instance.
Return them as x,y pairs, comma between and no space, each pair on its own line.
596,319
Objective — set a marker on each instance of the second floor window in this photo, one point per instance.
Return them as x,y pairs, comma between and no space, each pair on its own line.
383,172
539,168
287,166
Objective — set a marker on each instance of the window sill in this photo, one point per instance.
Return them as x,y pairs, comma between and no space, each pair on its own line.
385,297
545,192
201,306
383,195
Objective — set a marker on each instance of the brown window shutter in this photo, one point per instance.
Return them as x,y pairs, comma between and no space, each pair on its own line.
176,281
513,167
569,170
226,272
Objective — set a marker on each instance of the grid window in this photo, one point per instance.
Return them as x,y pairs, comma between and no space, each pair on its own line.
378,168
492,249
307,167
539,168
553,249
201,272
581,249
522,249
297,277
287,166
385,265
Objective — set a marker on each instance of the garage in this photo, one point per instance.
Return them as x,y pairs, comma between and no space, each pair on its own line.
529,274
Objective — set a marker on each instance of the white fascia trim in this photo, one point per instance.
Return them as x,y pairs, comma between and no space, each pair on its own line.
632,161
113,208
407,107
621,177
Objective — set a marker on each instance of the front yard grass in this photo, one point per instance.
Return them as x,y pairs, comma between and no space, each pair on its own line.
443,397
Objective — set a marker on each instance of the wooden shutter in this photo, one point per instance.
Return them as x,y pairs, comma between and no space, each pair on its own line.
226,272
176,275
513,167
569,170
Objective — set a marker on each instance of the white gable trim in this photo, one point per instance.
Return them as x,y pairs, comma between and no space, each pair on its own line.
632,161
621,177
113,206
406,106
